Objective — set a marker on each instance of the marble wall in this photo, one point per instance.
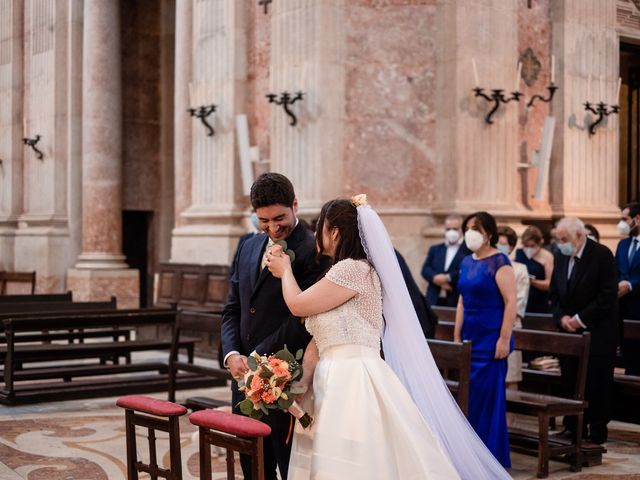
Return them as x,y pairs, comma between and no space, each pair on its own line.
388,109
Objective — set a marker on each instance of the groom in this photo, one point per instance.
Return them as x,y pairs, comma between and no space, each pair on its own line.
255,317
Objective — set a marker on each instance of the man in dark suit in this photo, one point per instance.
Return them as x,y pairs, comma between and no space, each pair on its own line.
628,262
583,295
442,266
255,317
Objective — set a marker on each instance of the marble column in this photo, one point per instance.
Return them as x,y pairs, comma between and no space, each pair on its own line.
209,226
476,162
584,168
101,270
11,114
308,55
42,240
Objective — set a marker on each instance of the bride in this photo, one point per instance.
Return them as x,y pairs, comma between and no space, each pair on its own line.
391,419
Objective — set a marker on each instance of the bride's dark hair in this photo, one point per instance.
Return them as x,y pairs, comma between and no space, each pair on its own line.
341,214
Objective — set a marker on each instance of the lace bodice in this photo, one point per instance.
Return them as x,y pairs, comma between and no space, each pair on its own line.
358,321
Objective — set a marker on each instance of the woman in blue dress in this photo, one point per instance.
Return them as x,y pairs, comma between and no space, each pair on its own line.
486,314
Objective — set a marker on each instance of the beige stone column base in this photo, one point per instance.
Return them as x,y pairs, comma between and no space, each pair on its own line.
91,285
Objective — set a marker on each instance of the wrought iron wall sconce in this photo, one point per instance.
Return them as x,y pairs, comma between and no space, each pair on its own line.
286,99
265,4
552,90
32,142
602,110
202,113
498,98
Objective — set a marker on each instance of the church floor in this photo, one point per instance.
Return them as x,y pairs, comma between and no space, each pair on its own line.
85,440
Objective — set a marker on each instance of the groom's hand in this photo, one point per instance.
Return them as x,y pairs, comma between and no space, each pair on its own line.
238,365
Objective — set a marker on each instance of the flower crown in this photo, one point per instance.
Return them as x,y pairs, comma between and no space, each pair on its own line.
358,200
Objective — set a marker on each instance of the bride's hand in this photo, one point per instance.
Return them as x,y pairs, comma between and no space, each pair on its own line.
304,384
278,262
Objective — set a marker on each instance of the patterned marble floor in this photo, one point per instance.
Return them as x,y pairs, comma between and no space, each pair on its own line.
85,440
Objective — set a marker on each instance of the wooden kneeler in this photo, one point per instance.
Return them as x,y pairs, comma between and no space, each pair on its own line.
235,433
155,415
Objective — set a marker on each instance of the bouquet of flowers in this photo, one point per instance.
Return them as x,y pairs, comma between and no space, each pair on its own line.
268,385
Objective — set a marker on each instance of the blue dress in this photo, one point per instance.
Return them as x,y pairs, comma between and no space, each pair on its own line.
483,314
538,301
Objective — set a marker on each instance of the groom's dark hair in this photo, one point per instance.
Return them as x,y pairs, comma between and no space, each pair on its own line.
272,189
341,214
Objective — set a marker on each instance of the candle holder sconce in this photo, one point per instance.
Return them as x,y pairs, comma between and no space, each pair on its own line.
286,99
498,98
602,110
202,113
32,142
265,5
552,90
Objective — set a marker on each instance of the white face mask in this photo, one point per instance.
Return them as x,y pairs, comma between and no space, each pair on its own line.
530,252
473,239
624,228
452,236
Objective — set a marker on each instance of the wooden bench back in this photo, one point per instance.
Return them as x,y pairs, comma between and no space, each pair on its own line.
9,309
24,281
118,318
447,314
452,357
539,321
444,330
40,297
561,345
193,287
631,329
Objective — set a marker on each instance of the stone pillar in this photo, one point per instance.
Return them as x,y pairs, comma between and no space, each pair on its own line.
42,241
182,122
208,229
584,168
101,270
476,163
11,114
307,42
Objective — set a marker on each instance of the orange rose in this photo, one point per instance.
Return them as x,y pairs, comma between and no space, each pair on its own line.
268,396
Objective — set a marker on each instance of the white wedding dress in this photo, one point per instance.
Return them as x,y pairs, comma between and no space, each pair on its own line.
366,425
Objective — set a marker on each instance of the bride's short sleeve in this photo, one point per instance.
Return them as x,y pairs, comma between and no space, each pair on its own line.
349,274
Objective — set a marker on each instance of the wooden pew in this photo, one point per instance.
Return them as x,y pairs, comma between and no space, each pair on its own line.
53,359
454,362
7,279
38,297
444,330
9,309
546,406
446,314
539,321
195,288
208,325
626,388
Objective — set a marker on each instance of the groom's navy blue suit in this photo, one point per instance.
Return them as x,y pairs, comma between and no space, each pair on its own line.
256,318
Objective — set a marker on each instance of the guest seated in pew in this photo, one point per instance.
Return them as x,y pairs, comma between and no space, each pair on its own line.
628,263
583,293
539,263
485,315
507,239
